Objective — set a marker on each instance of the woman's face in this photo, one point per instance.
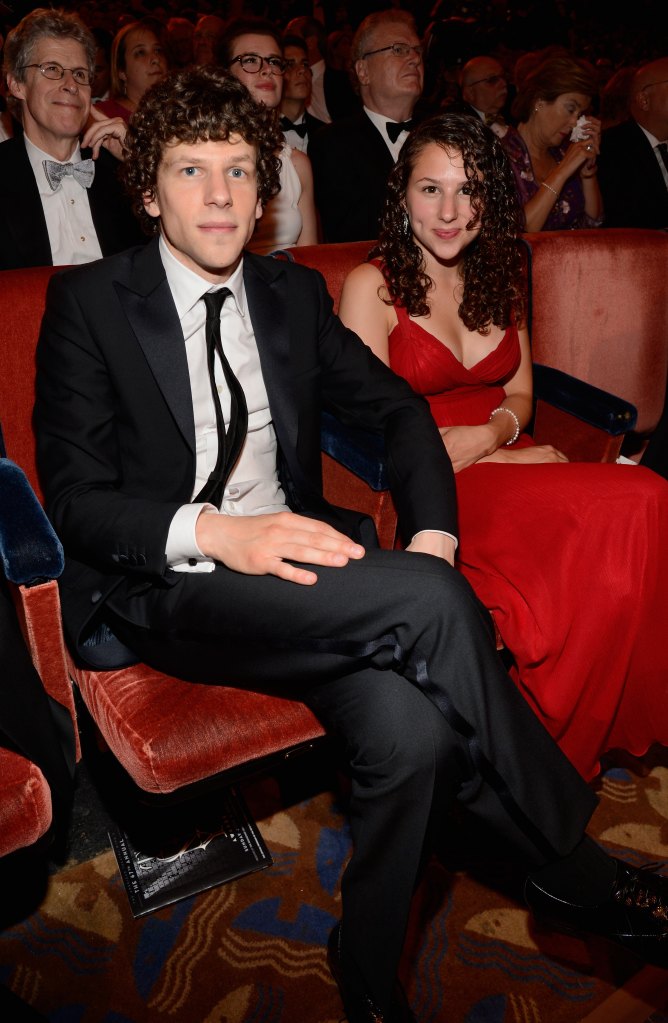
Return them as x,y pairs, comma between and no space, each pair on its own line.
264,86
145,63
557,119
438,203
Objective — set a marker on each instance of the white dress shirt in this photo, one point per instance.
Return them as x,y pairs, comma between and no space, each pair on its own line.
294,140
380,122
69,221
253,487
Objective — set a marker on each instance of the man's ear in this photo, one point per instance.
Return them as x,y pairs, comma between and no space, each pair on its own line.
151,204
362,71
16,88
258,210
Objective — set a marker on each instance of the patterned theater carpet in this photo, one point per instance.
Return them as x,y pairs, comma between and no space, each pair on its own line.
252,951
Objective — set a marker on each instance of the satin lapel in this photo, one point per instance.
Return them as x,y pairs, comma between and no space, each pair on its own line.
148,304
266,292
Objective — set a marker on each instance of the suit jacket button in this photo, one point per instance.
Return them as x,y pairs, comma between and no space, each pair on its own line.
95,596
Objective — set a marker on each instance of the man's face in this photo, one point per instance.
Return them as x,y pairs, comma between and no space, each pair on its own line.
485,87
298,75
385,78
207,201
54,112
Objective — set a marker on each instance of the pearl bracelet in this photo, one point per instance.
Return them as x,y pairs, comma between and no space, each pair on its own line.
545,185
510,412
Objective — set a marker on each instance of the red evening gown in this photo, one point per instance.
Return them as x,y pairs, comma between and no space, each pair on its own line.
571,559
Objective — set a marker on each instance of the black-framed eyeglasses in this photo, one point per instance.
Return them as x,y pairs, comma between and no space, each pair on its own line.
490,80
55,72
290,65
650,84
252,63
398,50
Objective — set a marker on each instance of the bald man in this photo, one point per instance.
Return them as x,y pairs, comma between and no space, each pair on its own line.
633,165
484,91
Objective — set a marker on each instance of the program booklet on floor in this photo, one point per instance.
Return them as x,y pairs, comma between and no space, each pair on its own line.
224,847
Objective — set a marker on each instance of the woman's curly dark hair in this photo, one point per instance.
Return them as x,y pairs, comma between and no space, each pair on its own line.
492,269
196,105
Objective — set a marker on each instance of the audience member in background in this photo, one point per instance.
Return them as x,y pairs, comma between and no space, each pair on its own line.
297,125
615,98
634,155
102,82
252,51
60,199
555,172
180,33
444,307
353,157
206,39
138,61
314,35
484,92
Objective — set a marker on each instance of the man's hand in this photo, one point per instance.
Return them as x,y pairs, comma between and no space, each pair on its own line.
260,544
437,544
105,131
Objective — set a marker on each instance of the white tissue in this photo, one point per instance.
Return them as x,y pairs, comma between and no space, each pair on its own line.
578,132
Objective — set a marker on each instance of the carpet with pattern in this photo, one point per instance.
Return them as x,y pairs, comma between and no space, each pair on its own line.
252,951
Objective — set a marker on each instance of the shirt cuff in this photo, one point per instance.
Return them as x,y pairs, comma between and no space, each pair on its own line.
441,532
182,552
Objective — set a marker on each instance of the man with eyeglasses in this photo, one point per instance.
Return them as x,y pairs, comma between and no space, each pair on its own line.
484,92
633,163
60,199
297,125
353,157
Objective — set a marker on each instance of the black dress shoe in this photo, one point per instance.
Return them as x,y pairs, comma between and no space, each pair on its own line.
359,1007
635,915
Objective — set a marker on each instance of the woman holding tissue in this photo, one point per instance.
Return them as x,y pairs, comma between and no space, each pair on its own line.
554,148
571,558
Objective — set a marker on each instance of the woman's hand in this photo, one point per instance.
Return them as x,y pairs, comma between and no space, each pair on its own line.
468,444
581,156
526,456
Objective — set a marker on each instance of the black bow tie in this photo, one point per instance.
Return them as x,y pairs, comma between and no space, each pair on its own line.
395,128
287,125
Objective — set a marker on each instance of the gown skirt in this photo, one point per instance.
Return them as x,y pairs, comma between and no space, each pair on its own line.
570,558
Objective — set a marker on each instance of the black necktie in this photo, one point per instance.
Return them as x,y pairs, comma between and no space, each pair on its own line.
395,128
230,443
663,153
287,125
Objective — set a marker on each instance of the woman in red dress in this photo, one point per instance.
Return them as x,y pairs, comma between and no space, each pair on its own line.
571,559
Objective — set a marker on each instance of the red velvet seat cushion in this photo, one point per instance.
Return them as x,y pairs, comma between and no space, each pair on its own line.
600,311
167,733
25,802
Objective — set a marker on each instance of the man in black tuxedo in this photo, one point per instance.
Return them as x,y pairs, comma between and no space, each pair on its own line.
195,527
633,163
297,124
353,157
49,217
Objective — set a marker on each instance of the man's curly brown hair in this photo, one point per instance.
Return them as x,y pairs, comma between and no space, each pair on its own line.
492,269
196,105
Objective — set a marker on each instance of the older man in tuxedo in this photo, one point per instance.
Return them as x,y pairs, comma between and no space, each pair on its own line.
353,157
633,164
60,198
179,395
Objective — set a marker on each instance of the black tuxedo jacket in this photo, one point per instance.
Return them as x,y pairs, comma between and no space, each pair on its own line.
351,165
24,240
633,189
115,429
